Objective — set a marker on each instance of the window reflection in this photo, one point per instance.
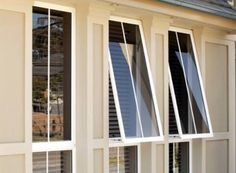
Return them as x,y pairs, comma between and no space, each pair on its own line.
51,75
40,75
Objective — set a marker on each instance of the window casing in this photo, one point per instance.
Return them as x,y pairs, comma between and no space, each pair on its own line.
131,84
187,102
53,110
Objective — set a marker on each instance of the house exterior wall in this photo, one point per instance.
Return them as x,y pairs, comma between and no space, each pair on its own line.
216,53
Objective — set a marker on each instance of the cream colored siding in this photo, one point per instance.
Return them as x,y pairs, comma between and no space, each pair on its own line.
217,156
160,158
159,75
12,164
98,161
217,85
98,89
12,66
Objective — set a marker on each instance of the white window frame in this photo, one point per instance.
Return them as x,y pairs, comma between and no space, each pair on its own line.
67,145
190,144
175,106
116,99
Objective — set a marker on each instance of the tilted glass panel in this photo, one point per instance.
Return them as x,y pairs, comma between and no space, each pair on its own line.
193,82
40,75
141,80
60,75
179,84
123,81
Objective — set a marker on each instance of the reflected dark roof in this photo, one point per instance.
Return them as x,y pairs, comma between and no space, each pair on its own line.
216,7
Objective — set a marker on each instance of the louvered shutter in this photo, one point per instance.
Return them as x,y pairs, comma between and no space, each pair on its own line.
172,120
114,131
123,160
179,157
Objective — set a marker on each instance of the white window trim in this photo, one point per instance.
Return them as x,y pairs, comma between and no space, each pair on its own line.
70,144
197,135
116,99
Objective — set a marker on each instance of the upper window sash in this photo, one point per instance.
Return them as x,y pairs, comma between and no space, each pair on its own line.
133,88
186,87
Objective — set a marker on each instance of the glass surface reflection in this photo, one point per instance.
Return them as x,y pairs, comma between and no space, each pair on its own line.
123,81
51,75
180,88
132,81
141,80
193,81
40,75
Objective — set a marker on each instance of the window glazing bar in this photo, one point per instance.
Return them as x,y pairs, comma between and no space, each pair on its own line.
48,89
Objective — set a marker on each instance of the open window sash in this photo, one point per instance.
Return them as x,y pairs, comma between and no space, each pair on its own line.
133,89
186,88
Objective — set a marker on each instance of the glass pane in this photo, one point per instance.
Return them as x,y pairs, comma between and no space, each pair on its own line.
123,81
60,162
113,160
181,93
193,81
128,160
141,80
179,157
60,76
40,69
39,162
